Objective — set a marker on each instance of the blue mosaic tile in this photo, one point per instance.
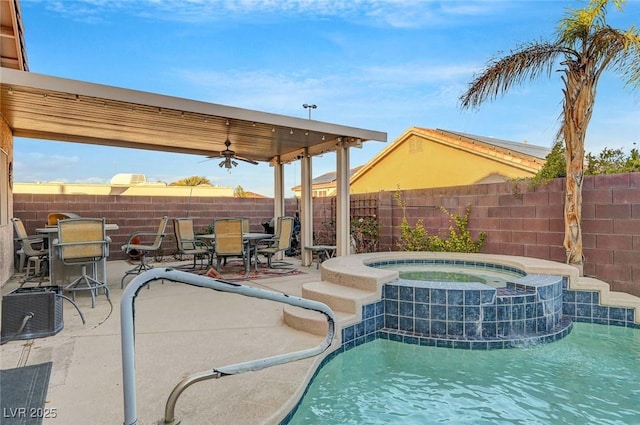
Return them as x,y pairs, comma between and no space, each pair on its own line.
422,310
530,326
427,342
503,313
380,322
455,313
379,308
489,330
517,327
391,307
471,314
395,337
455,328
583,297
503,328
359,330
478,345
423,327
529,311
471,330
438,327
390,321
489,313
410,339
584,310
517,312
422,295
439,312
438,296
569,296
600,312
464,345
487,296
368,311
406,293
444,343
406,308
406,324
348,333
472,297
455,297
391,292
370,326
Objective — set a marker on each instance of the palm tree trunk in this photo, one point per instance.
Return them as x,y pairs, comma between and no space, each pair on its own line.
579,96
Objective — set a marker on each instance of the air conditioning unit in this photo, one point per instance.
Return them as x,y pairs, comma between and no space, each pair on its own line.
42,302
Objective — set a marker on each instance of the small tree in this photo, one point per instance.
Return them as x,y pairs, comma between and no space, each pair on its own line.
239,192
192,181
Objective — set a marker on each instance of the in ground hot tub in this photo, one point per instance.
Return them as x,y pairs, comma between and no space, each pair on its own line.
466,303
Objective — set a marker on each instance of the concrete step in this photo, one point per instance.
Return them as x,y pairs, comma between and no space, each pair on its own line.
313,321
338,297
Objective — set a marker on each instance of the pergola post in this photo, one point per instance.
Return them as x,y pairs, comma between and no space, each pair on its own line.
343,235
306,208
278,194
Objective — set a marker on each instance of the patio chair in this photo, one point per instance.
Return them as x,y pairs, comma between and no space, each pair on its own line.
32,252
135,246
229,241
187,243
280,242
83,242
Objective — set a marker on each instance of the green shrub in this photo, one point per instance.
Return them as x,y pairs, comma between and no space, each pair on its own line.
417,238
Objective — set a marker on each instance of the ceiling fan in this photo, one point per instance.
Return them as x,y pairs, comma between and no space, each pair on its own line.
230,157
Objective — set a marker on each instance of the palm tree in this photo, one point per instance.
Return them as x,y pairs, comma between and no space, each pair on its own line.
585,46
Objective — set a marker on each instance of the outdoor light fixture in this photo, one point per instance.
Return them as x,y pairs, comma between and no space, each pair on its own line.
309,107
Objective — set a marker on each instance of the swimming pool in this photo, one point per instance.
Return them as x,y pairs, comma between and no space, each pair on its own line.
591,376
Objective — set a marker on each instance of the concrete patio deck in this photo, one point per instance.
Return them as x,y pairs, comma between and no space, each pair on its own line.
180,330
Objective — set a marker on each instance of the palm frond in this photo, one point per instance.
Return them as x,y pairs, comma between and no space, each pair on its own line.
525,63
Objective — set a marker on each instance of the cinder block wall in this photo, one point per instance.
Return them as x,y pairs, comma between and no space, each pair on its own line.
518,221
140,213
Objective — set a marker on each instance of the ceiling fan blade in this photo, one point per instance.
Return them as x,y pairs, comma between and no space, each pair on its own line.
250,161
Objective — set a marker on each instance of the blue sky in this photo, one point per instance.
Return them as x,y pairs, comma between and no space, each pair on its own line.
380,65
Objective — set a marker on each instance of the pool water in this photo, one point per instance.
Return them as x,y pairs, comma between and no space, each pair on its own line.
590,377
448,273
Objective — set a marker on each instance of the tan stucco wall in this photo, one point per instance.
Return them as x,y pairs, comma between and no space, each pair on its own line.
148,189
6,229
419,163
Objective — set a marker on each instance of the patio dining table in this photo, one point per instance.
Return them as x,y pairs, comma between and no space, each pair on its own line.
250,238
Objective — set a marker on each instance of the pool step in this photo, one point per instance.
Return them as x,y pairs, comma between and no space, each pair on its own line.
338,297
607,297
313,321
346,303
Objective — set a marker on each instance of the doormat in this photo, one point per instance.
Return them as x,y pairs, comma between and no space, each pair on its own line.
24,391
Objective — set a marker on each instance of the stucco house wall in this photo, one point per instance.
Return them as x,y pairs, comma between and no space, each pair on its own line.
6,197
422,158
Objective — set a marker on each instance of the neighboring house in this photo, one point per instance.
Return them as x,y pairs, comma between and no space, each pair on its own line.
324,185
423,158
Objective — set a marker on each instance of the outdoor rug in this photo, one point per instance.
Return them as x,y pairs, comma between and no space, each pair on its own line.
234,271
23,391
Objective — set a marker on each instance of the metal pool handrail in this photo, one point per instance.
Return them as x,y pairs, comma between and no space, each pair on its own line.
127,329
